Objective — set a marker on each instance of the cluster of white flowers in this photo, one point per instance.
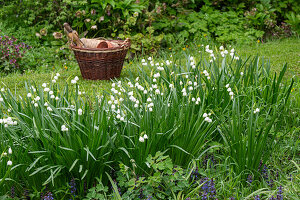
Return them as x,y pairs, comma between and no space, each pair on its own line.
206,74
46,89
154,88
114,90
256,111
80,93
130,84
119,116
144,62
64,128
8,121
150,104
231,94
197,101
207,49
4,154
158,65
35,100
151,61
113,102
115,106
206,117
9,162
212,57
232,54
51,93
191,84
55,78
143,138
48,107
211,53
140,87
1,98
155,76
223,51
131,97
193,62
168,62
184,92
74,81
33,89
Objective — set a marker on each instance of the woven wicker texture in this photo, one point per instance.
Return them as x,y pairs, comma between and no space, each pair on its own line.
101,64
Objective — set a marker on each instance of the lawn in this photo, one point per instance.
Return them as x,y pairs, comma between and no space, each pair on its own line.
276,52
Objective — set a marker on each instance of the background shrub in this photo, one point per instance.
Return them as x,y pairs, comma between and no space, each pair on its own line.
143,20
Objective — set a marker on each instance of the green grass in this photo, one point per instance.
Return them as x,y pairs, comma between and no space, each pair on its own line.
277,52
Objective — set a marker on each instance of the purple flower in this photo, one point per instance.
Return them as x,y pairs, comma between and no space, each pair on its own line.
272,198
279,193
48,196
12,192
257,197
195,175
250,179
73,187
208,189
11,52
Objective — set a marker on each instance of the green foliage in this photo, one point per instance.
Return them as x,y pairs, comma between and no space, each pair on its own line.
150,24
97,192
223,26
165,181
185,111
294,20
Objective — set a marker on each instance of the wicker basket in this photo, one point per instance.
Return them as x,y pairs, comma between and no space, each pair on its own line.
101,64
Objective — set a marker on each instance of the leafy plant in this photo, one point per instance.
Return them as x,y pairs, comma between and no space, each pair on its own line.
12,53
294,20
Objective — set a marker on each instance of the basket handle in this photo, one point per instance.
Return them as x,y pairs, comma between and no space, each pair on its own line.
100,38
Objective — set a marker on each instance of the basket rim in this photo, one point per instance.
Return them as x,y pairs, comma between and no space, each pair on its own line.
103,50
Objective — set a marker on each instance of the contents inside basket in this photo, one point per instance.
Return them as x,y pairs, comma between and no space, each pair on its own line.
87,43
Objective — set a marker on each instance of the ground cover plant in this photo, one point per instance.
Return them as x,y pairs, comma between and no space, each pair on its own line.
175,128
